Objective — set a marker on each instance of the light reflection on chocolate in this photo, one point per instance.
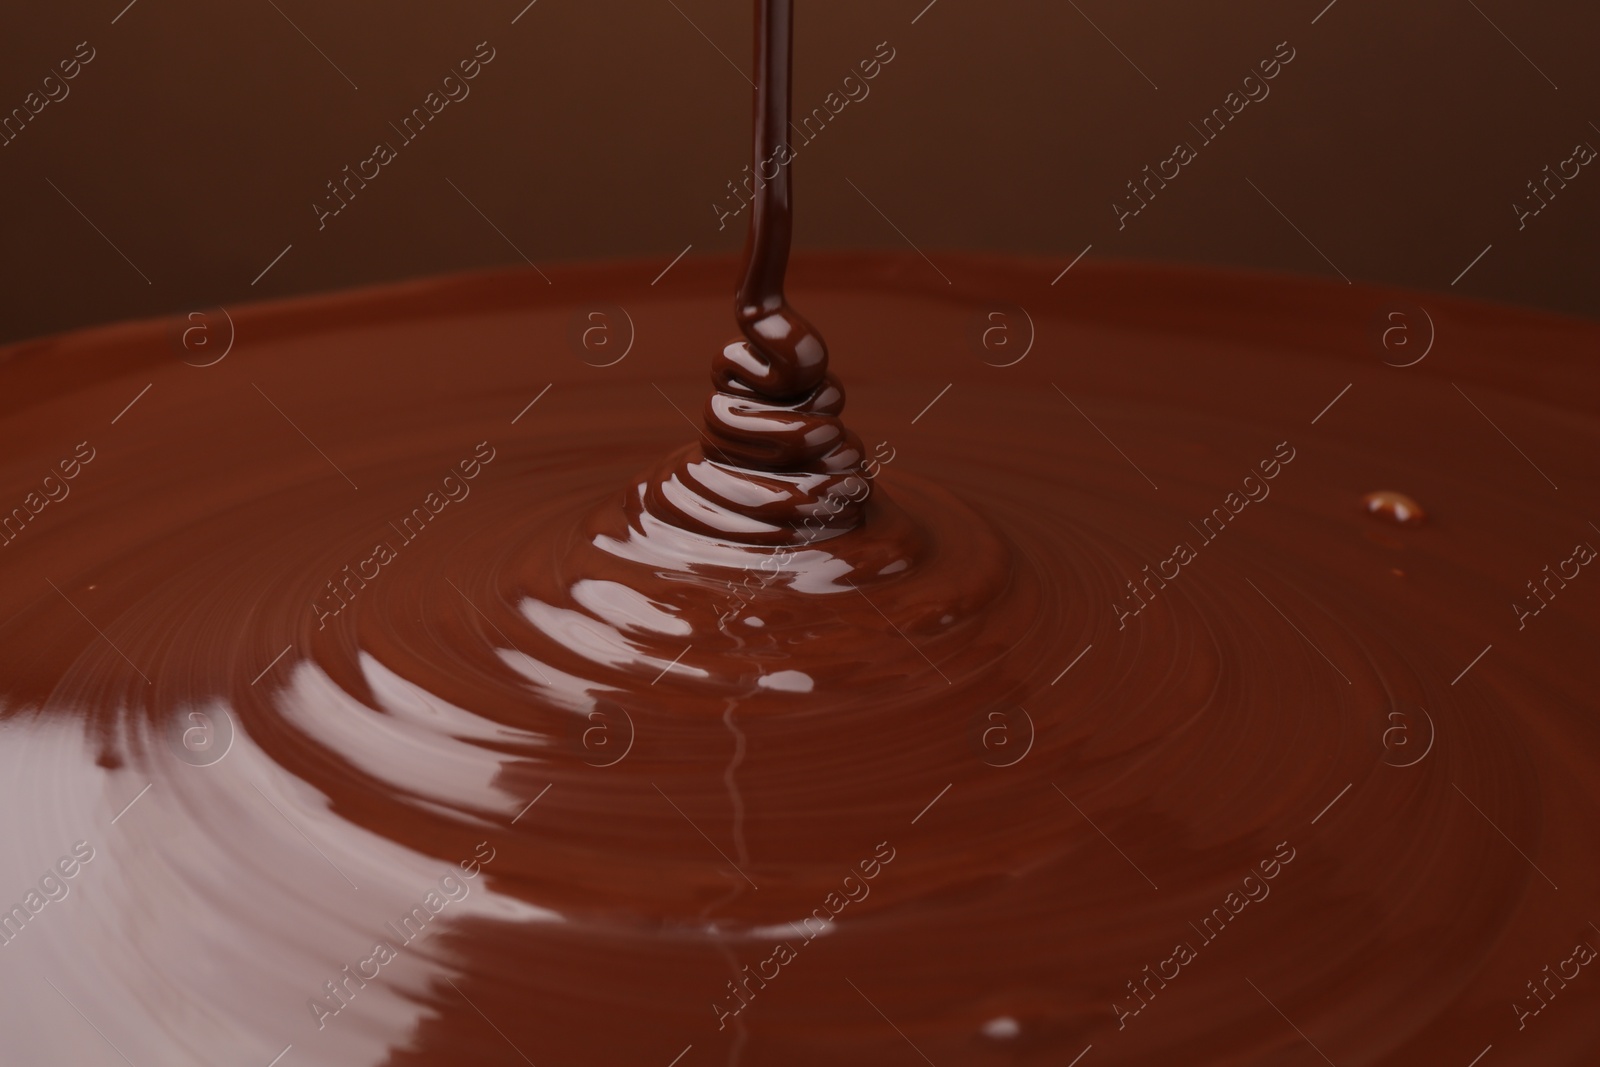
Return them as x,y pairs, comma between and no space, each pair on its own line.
451,702
782,468
505,781
1396,507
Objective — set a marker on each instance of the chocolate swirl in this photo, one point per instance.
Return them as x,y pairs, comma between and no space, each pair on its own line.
538,690
782,467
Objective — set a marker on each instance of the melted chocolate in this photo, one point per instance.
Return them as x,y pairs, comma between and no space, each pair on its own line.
1396,507
529,645
783,469
348,721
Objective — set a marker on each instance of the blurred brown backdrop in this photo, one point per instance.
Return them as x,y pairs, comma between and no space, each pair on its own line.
187,153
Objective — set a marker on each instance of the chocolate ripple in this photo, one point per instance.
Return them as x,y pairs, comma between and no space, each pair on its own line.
475,694
782,468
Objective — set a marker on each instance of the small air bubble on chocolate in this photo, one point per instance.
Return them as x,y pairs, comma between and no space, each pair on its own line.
1396,507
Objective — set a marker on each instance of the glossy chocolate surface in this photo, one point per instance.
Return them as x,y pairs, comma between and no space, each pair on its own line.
343,618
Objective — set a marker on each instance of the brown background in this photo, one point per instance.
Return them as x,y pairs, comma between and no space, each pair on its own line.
201,133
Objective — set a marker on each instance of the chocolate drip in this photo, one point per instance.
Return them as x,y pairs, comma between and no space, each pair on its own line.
583,772
783,468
